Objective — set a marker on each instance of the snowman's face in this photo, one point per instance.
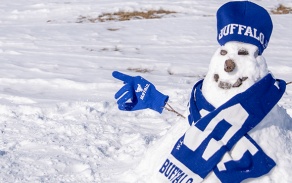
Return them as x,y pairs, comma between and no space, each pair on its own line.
234,68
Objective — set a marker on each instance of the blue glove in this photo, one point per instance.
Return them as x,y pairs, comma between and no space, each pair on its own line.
138,93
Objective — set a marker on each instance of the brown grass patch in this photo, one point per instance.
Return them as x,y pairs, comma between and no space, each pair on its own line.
125,16
281,9
139,70
113,29
116,48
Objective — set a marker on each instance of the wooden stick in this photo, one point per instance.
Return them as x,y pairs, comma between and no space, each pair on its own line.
172,110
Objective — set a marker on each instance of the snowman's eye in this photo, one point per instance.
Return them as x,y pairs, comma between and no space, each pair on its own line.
223,52
242,52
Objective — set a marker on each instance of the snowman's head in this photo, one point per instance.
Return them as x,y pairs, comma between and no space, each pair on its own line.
234,67
243,31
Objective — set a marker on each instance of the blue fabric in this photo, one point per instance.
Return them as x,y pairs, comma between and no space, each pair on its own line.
138,93
248,166
246,22
210,137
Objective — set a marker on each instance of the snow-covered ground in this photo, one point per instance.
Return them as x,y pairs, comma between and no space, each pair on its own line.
59,121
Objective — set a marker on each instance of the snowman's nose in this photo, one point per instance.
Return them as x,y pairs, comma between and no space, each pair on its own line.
229,65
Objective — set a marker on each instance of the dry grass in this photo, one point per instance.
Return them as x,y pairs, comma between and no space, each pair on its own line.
116,48
281,9
139,70
113,29
125,16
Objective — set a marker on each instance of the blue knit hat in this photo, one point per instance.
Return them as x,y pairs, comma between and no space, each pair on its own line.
246,22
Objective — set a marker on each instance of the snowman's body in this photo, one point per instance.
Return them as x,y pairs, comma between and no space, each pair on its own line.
253,136
233,69
243,31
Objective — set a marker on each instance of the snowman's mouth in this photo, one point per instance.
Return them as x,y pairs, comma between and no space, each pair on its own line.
226,85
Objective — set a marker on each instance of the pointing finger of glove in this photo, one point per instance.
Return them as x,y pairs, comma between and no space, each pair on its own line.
124,89
121,76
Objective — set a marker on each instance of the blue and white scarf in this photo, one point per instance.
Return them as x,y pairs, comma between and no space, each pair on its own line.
217,139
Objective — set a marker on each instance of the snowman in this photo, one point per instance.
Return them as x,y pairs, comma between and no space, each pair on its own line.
231,111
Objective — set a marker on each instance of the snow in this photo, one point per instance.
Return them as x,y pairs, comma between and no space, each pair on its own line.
59,119
253,67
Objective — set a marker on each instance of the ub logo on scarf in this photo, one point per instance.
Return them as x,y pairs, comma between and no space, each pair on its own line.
223,121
